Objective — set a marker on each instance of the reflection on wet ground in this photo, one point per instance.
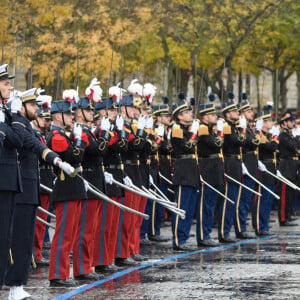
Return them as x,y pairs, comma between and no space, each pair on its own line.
264,269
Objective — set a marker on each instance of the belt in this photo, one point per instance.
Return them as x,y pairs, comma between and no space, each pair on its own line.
117,166
168,157
252,152
89,169
291,157
135,162
216,155
186,156
271,160
145,162
237,156
45,168
154,157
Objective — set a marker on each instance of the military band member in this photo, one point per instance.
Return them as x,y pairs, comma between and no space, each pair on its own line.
12,126
233,141
211,166
267,159
288,167
250,159
186,173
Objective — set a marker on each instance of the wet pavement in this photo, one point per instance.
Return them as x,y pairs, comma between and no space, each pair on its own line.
266,268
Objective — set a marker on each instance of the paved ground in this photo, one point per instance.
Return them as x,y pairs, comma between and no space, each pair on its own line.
259,269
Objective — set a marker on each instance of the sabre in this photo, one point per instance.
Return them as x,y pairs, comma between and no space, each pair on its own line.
45,188
101,195
259,183
283,179
243,185
215,190
46,212
150,193
160,192
167,181
44,222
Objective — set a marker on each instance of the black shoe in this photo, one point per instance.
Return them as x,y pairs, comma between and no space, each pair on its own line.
159,238
227,240
291,219
29,298
288,223
90,277
107,269
264,233
125,262
208,243
145,242
43,262
138,257
63,282
245,236
47,245
184,248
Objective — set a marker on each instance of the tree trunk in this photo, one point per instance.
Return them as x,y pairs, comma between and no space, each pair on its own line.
258,94
298,88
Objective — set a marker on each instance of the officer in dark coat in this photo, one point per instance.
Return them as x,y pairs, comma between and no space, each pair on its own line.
12,126
288,167
267,157
250,159
28,200
210,142
68,193
186,172
233,141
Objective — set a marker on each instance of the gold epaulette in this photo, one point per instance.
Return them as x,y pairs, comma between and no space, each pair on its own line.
227,128
256,139
155,132
203,130
68,133
111,133
263,139
177,132
134,126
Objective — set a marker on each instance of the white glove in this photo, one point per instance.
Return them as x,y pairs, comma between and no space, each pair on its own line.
243,122
151,179
244,169
86,185
128,181
160,130
93,129
67,168
141,122
261,166
278,173
259,124
108,178
220,125
15,104
195,126
77,131
149,123
297,131
2,116
105,124
294,132
275,130
119,123
169,134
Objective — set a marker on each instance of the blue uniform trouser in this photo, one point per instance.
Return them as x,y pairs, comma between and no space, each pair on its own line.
229,211
245,203
262,209
205,214
186,198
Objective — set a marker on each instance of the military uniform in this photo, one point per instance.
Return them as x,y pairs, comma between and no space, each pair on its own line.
233,141
211,166
250,159
263,204
288,167
12,134
68,193
185,180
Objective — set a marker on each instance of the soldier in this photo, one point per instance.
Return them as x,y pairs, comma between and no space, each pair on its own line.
267,161
40,126
28,200
211,169
250,159
68,193
92,164
12,126
186,173
288,167
233,141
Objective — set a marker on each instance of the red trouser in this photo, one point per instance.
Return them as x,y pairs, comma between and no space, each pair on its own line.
106,234
140,204
84,245
40,228
66,231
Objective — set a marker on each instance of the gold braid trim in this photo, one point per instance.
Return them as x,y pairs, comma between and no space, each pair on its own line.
45,153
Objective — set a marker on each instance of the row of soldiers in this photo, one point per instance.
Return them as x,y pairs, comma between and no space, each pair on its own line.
122,140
